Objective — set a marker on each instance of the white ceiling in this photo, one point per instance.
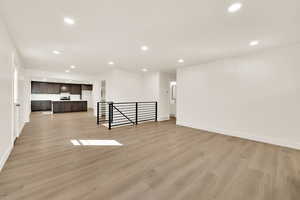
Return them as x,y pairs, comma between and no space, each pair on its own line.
114,30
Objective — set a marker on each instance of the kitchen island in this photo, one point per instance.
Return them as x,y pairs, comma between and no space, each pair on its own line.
64,106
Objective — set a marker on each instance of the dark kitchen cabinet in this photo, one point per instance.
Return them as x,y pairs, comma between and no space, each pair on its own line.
57,88
76,89
39,88
84,106
87,87
41,106
35,106
69,106
58,107
53,88
62,107
35,87
76,106
65,88
43,88
46,105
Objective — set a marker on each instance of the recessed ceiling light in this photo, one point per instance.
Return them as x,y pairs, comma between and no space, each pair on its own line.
181,61
56,52
144,48
72,66
235,7
111,63
69,21
144,70
67,71
254,43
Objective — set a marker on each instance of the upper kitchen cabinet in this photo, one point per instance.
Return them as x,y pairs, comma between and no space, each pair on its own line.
65,88
76,89
87,87
39,87
53,88
57,88
45,88
35,87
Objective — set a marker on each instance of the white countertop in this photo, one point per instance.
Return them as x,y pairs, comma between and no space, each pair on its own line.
68,100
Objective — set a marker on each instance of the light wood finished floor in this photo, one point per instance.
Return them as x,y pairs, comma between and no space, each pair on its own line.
158,161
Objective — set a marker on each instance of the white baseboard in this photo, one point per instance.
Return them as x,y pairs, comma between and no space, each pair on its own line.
269,140
21,128
163,118
4,158
27,119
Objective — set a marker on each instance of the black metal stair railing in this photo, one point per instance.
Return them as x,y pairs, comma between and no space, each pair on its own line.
123,113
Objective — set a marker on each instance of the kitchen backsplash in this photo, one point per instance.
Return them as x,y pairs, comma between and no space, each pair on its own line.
52,97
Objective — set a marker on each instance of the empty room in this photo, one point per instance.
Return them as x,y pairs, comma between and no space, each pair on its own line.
149,100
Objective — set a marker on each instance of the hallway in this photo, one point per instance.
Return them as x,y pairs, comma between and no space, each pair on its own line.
157,161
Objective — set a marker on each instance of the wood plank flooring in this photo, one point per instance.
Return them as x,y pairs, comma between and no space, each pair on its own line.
158,161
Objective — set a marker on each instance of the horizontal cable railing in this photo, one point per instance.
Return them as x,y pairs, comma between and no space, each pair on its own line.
124,113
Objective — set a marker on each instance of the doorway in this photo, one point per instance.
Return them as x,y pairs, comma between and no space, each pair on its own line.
173,99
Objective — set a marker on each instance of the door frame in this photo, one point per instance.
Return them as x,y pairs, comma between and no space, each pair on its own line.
15,99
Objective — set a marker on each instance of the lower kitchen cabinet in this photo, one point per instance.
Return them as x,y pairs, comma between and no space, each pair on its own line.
41,106
69,106
58,107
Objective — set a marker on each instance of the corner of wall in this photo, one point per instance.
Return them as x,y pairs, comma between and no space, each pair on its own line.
163,118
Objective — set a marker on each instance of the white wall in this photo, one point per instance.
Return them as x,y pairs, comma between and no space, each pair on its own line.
87,95
255,96
164,97
151,84
7,51
123,86
96,95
